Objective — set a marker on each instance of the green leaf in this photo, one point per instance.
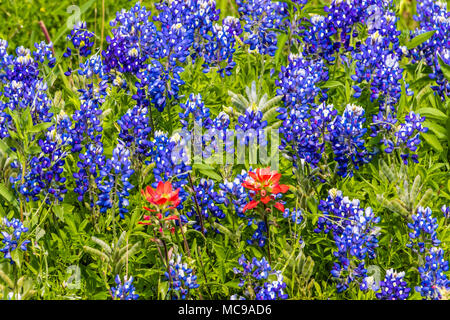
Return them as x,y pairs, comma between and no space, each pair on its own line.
16,256
438,130
332,84
59,212
432,113
40,127
433,141
7,194
208,171
421,38
445,68
281,41
7,150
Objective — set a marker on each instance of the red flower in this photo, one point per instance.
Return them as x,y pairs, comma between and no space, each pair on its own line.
265,186
163,197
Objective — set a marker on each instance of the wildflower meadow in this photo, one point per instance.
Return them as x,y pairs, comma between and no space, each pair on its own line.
225,150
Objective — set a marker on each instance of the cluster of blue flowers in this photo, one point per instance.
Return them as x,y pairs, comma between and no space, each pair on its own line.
423,230
156,54
298,82
181,277
433,16
433,278
26,94
250,128
209,201
329,34
377,60
124,291
82,40
304,123
260,17
305,134
355,234
446,211
23,85
296,215
393,287
135,131
11,231
236,193
423,237
170,162
117,172
259,236
346,137
45,175
132,41
205,133
255,273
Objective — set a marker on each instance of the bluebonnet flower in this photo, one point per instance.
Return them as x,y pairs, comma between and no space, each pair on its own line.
23,86
255,273
423,229
196,117
86,135
163,84
134,40
377,59
92,168
407,137
258,269
304,134
259,236
43,52
182,278
298,82
272,290
117,172
232,26
170,160
296,215
393,287
11,231
250,128
212,41
82,40
45,174
259,17
318,38
195,108
433,15
383,123
446,211
135,131
355,234
236,193
433,278
125,291
26,92
209,201
93,66
220,49
174,40
347,142
328,34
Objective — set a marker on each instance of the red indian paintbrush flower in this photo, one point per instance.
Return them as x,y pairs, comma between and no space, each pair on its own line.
162,198
264,184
